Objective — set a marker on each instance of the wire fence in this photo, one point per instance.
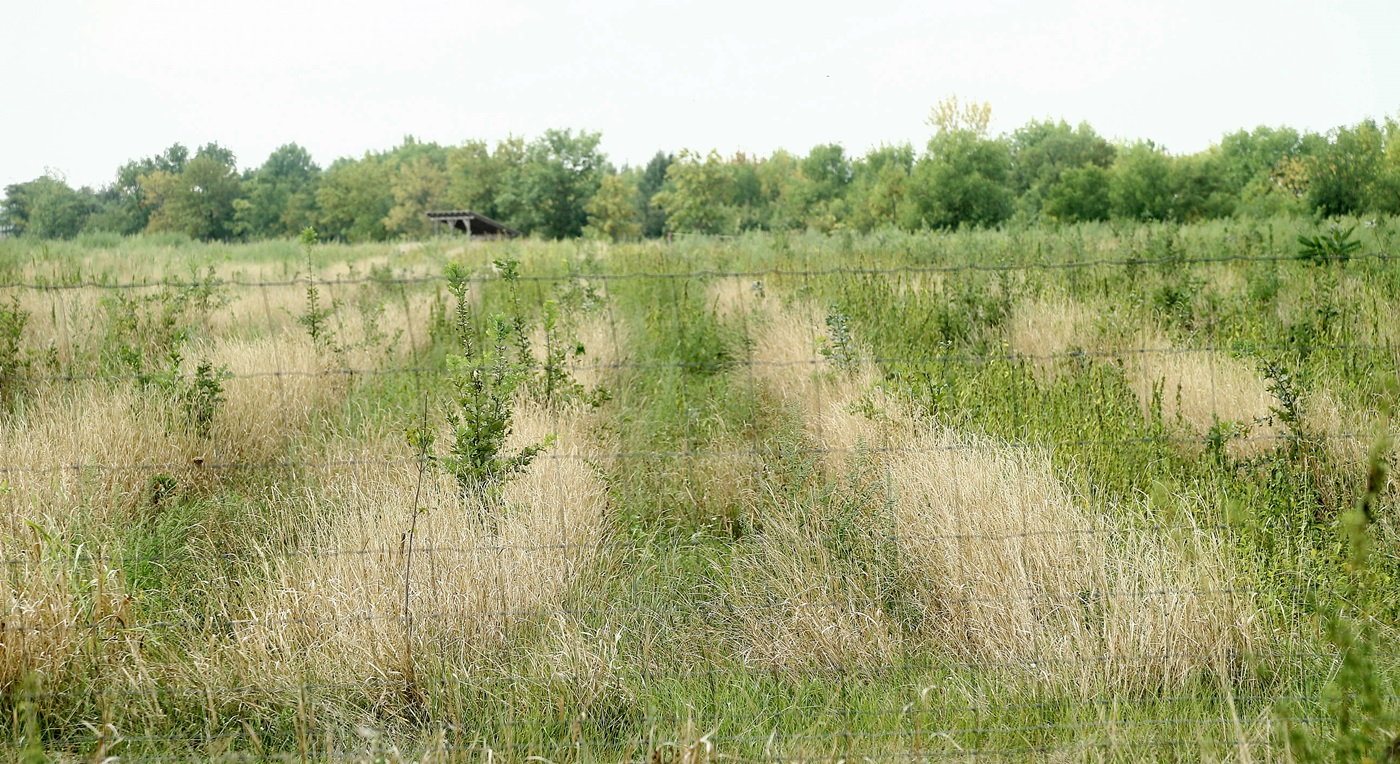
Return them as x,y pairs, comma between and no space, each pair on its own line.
774,514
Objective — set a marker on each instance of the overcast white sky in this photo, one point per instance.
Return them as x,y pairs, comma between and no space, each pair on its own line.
91,84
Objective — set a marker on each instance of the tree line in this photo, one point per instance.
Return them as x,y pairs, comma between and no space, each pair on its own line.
560,185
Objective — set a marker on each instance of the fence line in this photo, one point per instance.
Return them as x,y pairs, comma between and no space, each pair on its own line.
702,273
913,737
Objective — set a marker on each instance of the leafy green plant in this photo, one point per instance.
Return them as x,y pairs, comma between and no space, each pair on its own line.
516,322
201,397
1287,410
484,381
838,346
556,383
1367,728
198,396
14,363
144,330
1335,245
316,319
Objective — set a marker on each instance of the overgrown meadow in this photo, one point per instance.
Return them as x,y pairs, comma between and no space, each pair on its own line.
1103,492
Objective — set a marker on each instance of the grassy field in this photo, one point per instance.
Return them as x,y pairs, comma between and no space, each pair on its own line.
1095,493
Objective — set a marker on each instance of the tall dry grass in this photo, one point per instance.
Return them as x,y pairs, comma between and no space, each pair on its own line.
79,466
402,573
1195,388
1001,558
1045,328
470,571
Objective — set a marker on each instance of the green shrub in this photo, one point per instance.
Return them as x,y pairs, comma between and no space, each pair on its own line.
14,362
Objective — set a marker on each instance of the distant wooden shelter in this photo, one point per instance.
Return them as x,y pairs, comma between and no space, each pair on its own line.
471,223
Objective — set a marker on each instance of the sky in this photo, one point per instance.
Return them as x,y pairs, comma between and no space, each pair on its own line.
92,84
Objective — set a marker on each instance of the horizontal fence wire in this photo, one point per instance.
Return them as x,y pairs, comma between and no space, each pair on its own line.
200,464
1078,598
814,363
569,676
701,273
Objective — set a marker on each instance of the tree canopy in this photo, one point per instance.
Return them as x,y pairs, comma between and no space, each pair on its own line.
560,184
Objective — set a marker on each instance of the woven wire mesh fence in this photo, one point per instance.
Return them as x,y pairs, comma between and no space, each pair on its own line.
654,509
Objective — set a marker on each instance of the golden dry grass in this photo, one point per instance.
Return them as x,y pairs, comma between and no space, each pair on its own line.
42,629
1197,388
476,569
795,609
734,298
83,458
1047,327
997,552
787,359
338,613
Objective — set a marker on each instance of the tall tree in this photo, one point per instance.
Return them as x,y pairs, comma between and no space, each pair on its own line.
1041,152
1080,194
198,201
354,198
652,179
281,195
123,207
47,207
1140,183
418,185
698,196
612,212
561,173
1344,175
964,178
880,186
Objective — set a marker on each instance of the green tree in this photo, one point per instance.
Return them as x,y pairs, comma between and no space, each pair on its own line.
281,195
198,201
122,205
880,186
418,185
1041,152
561,173
1267,168
806,192
612,212
698,194
1345,174
1199,189
964,178
1080,194
653,178
784,194
484,181
1140,183
1385,192
354,198
47,207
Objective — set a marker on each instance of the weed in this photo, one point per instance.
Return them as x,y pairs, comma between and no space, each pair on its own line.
1334,246
144,330
1288,410
14,362
838,346
317,317
201,396
1367,728
484,382
160,487
557,385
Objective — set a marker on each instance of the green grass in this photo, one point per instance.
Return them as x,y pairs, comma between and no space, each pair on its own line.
715,495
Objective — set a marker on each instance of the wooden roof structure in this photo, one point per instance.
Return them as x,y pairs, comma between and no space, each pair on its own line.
471,223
